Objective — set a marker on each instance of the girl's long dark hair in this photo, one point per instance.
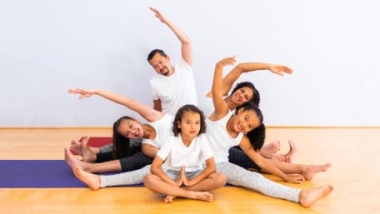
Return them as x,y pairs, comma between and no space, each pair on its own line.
121,144
256,136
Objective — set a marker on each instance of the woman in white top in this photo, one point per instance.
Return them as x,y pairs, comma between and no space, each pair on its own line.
243,92
154,134
178,168
245,128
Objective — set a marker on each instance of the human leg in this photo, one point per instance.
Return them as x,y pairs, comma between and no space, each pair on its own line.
308,171
268,150
76,146
110,166
238,157
129,163
95,182
239,176
289,157
106,152
211,182
125,178
154,183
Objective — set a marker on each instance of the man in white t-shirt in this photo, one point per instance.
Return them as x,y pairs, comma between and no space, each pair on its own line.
173,86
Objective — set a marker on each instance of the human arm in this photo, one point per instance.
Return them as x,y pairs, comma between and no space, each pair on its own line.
210,168
156,169
221,107
145,111
246,67
267,165
149,150
186,49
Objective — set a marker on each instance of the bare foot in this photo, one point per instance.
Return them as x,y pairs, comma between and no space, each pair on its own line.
269,149
169,199
288,157
309,171
75,147
91,180
72,161
308,197
292,152
88,155
204,196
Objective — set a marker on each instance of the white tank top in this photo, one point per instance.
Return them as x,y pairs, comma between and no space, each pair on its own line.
219,139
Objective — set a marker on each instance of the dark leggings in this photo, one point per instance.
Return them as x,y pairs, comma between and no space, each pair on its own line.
238,157
135,160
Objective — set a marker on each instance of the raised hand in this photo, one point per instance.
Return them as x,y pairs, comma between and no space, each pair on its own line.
226,61
280,69
82,92
158,14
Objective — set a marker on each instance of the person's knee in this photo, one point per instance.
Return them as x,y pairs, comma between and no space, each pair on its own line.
148,179
220,179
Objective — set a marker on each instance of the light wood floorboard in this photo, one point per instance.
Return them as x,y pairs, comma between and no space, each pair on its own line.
353,152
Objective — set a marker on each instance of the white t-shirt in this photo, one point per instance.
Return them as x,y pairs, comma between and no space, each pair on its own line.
176,154
163,129
175,90
206,105
219,139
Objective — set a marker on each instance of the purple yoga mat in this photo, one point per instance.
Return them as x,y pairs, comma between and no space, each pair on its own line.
38,174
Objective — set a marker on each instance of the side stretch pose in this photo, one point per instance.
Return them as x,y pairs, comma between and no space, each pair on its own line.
243,127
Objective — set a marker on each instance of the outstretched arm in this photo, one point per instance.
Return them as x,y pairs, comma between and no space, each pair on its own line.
210,168
147,112
156,169
186,50
266,164
246,67
221,107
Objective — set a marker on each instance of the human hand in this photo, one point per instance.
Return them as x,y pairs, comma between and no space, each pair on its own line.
179,180
280,69
158,14
295,179
82,92
185,180
226,61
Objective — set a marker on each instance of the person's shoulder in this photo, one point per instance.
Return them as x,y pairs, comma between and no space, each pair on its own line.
156,81
183,64
202,137
168,116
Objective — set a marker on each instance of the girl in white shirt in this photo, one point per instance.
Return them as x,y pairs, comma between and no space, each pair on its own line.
245,128
178,168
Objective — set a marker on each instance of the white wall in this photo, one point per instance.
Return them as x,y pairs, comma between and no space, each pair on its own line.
49,46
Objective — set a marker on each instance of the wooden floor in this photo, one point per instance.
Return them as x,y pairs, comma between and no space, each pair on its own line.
353,152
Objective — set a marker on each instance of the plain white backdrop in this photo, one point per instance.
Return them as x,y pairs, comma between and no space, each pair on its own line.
49,46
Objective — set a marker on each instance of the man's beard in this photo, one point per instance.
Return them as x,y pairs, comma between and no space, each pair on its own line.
166,73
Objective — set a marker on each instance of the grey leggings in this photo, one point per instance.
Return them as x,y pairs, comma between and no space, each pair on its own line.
239,176
125,178
236,175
